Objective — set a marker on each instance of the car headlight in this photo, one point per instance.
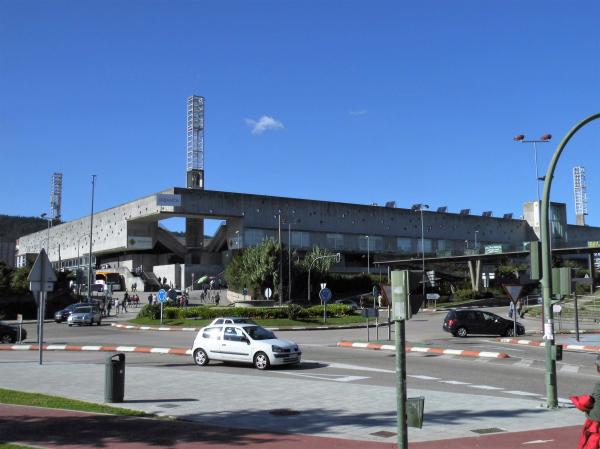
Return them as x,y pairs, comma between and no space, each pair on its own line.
295,348
276,348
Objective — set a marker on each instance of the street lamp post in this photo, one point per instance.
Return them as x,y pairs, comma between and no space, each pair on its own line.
476,246
421,207
368,256
551,390
337,259
49,220
89,280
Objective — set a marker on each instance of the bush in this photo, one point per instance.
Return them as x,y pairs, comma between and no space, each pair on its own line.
294,311
468,294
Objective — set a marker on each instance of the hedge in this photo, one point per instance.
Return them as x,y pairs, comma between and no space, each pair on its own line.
292,311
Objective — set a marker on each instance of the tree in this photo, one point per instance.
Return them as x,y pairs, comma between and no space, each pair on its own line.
18,280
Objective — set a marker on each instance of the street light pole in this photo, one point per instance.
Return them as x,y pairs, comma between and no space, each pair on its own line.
421,208
368,256
551,384
476,247
89,280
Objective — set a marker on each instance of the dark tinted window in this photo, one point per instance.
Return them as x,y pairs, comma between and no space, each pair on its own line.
451,315
219,321
471,315
233,334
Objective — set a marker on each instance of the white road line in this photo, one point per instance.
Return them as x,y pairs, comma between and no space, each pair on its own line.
520,393
328,377
454,382
537,441
569,369
524,363
484,387
419,376
352,367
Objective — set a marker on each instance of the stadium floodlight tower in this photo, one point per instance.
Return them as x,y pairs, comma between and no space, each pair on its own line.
194,227
580,191
56,196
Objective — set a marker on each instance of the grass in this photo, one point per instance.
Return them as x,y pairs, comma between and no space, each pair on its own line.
42,400
352,319
14,446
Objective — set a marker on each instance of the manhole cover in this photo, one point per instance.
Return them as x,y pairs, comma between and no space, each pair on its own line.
384,434
490,430
284,412
168,405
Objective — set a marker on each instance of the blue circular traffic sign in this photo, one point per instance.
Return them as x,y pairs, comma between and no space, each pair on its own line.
325,295
161,295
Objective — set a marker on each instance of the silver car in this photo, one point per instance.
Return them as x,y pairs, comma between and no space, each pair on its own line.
85,315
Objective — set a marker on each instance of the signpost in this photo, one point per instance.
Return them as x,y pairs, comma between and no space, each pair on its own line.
162,297
368,313
325,296
432,297
244,292
514,293
41,281
268,293
20,321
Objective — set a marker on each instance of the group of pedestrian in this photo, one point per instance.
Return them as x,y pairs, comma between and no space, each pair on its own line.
516,308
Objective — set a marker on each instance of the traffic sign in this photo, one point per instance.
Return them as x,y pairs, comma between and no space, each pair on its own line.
161,295
325,295
268,292
513,291
323,285
375,291
433,296
42,277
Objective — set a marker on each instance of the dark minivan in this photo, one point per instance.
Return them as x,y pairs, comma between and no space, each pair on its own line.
461,323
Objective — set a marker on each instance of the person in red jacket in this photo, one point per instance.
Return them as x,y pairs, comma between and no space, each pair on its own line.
590,404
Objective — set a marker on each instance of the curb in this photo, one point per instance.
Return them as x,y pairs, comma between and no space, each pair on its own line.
585,348
138,349
277,329
440,351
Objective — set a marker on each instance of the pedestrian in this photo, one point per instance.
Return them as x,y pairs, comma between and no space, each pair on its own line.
202,296
217,299
519,308
150,299
108,306
511,309
590,404
117,305
124,304
361,302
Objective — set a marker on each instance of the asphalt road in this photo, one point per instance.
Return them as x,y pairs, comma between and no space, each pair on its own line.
522,375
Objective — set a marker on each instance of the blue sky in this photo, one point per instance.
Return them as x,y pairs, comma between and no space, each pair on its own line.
367,101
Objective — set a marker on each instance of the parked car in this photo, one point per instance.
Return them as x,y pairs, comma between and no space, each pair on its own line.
243,342
348,302
232,320
63,315
461,323
85,314
10,333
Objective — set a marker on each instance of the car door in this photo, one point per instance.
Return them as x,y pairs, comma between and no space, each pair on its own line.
491,324
235,344
211,342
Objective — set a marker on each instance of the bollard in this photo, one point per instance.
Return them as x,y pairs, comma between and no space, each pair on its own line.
114,381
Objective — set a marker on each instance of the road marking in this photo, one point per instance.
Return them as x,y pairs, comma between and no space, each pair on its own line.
419,376
484,387
329,377
520,393
569,368
454,382
524,363
537,441
352,367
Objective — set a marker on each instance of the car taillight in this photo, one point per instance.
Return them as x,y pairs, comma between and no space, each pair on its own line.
451,322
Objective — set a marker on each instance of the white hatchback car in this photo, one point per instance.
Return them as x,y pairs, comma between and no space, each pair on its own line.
243,342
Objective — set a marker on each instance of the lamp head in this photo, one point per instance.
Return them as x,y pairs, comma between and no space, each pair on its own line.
546,137
519,138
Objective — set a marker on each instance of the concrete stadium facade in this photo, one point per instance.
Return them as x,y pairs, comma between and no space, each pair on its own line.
129,236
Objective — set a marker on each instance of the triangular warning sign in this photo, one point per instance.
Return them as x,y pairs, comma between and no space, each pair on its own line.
42,265
513,291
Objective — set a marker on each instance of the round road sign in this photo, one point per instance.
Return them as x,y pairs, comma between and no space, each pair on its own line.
161,295
268,292
325,295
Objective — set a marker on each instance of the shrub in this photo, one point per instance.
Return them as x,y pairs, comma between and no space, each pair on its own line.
294,311
468,294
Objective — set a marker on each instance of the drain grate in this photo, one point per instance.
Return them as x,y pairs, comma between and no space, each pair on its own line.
384,434
168,405
284,412
490,430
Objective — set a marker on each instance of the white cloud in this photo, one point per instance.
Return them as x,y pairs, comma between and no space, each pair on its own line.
263,124
358,113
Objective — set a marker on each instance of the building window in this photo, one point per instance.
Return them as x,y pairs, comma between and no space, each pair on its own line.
371,243
428,245
335,241
300,239
404,244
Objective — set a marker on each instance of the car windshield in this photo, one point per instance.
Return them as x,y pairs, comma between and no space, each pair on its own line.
259,333
83,310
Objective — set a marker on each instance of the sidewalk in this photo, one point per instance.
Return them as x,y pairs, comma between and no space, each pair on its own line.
287,400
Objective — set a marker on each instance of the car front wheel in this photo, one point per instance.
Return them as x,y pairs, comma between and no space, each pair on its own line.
6,338
261,361
461,332
510,332
200,357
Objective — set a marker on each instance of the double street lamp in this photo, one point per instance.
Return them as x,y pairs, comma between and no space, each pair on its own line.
543,139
